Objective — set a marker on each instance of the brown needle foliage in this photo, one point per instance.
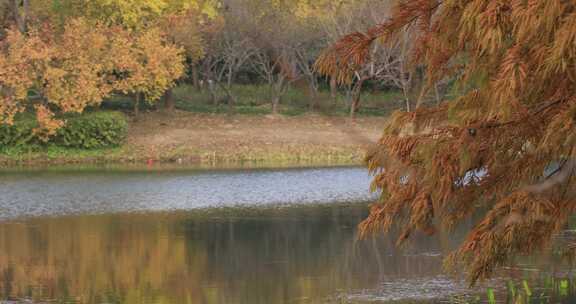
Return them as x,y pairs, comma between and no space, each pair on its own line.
504,149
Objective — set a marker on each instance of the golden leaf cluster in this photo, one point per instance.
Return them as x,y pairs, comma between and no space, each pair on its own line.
65,72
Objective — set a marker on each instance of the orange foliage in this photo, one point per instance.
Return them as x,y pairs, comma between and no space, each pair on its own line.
504,149
80,67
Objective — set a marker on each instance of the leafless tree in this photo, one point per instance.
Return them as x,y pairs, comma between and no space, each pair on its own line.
276,38
388,62
222,63
277,67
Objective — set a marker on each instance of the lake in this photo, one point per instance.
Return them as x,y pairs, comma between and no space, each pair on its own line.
102,235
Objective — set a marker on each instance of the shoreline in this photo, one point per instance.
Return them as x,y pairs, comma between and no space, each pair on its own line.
205,160
207,140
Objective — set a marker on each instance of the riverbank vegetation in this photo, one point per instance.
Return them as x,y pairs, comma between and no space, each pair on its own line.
189,138
89,131
60,59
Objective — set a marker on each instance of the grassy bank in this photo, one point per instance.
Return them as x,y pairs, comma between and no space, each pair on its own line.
312,156
202,133
218,140
254,99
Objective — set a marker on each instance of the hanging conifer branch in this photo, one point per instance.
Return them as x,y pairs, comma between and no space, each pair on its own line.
493,147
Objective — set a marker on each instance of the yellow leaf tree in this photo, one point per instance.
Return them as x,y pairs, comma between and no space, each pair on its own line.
79,67
182,21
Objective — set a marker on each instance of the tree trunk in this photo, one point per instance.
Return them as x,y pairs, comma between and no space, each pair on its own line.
277,91
228,89
21,16
195,77
437,93
420,80
231,98
354,106
275,103
333,90
168,98
313,95
212,91
349,95
229,78
406,99
137,105
356,98
231,103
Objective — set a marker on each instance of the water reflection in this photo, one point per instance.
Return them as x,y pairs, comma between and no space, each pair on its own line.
305,254
253,236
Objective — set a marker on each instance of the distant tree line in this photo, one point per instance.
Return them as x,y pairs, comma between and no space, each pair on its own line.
64,55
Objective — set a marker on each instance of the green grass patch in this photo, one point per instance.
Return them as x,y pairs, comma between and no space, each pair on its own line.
50,152
255,100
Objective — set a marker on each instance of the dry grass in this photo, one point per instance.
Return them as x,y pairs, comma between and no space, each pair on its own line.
211,139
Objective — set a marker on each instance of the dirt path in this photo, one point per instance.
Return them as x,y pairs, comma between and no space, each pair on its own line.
182,134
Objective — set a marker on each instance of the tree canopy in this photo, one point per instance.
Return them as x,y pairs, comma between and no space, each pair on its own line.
64,55
68,71
503,149
128,13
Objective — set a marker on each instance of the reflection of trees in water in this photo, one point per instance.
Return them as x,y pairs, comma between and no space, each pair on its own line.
270,256
90,259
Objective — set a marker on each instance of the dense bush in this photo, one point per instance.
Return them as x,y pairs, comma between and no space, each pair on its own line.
87,131
92,131
19,134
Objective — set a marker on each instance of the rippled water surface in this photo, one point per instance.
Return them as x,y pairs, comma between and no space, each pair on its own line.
37,193
257,236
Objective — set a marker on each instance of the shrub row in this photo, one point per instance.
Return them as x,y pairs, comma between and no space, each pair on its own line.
86,131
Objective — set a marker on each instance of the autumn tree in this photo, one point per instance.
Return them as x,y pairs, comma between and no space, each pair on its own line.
188,24
180,21
309,43
505,148
148,65
134,14
260,38
184,30
70,70
270,26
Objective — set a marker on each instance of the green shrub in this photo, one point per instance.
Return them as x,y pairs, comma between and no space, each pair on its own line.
19,134
93,131
85,131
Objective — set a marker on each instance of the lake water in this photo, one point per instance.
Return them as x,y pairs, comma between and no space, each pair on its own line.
201,236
